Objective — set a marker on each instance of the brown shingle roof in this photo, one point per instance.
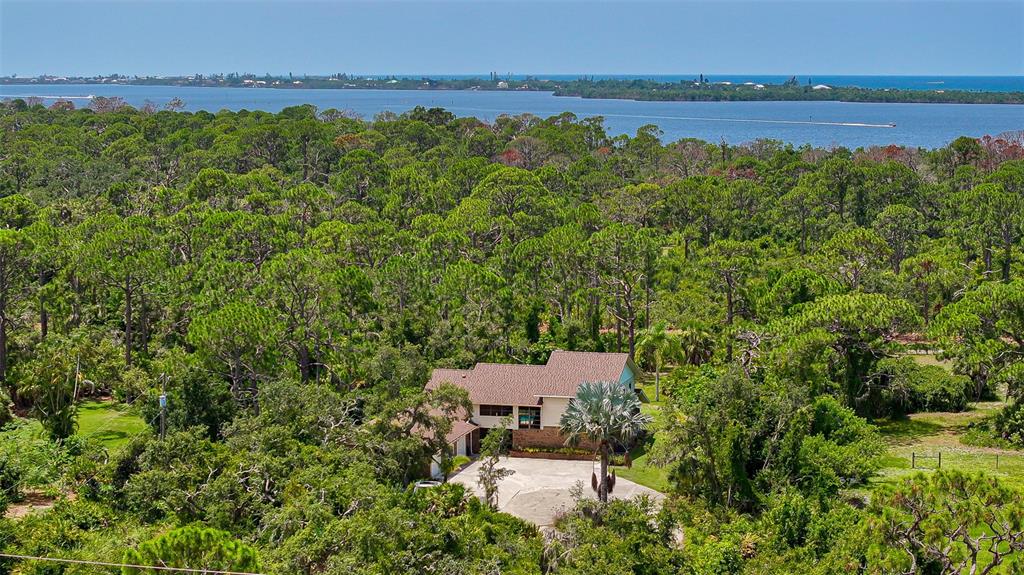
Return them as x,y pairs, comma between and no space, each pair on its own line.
566,370
516,384
460,428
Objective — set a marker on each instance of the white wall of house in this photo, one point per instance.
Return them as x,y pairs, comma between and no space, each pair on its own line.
552,410
460,447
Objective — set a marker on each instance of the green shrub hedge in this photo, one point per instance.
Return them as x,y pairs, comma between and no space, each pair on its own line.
1009,423
904,386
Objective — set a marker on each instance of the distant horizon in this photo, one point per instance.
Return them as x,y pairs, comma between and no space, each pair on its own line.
514,74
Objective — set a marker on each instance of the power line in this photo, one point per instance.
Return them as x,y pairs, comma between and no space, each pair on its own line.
105,564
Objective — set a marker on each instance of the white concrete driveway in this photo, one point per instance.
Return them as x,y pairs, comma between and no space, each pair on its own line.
539,488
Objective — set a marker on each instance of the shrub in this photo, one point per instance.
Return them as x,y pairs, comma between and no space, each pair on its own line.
902,386
718,557
9,478
28,460
790,513
193,398
829,447
11,474
938,390
134,383
982,433
5,409
1009,423
618,459
194,547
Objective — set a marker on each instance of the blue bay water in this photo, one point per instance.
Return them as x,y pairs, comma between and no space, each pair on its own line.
817,123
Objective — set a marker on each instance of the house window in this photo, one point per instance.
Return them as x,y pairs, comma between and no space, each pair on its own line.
529,417
495,410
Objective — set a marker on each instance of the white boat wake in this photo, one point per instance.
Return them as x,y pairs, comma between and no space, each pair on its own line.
704,119
45,97
757,121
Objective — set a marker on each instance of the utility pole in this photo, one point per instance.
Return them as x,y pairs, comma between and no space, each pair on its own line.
163,405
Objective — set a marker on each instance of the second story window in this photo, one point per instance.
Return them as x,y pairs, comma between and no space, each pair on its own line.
495,410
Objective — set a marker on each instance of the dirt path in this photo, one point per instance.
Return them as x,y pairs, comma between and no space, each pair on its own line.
32,501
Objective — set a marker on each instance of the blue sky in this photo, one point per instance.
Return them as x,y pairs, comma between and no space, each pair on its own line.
908,37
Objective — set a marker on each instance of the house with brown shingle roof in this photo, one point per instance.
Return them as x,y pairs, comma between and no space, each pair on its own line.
535,396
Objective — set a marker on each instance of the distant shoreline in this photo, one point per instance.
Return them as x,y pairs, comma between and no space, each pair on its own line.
697,90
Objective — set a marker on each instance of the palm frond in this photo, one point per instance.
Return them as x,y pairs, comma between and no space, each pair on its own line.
603,411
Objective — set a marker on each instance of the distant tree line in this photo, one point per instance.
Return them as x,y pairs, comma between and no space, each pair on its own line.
696,90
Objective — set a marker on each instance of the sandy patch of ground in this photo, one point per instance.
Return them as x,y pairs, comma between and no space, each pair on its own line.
31,501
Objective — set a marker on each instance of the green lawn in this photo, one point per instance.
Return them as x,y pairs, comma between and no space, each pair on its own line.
931,359
929,434
642,471
110,423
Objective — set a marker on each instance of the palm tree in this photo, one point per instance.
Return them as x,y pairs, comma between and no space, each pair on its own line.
607,413
696,344
662,346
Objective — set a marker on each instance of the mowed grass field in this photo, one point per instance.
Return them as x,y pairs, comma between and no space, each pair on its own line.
110,423
916,441
928,434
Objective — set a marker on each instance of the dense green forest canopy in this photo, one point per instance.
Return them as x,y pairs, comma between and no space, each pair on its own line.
289,280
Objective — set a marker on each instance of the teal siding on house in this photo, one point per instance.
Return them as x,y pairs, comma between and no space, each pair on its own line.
627,378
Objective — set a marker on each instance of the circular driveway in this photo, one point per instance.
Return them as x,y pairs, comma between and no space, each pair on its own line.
540,488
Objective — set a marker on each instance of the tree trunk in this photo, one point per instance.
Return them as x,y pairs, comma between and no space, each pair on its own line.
143,323
236,377
803,237
602,487
304,363
76,301
44,317
657,381
254,392
728,322
305,160
618,326
1007,254
926,307
127,325
647,302
632,334
3,350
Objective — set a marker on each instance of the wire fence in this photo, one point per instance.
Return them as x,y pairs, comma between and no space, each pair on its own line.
934,460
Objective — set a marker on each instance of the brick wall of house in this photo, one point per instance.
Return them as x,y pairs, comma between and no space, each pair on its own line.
547,437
